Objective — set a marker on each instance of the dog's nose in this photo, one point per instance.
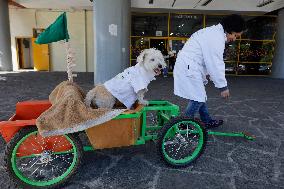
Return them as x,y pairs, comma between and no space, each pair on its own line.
160,66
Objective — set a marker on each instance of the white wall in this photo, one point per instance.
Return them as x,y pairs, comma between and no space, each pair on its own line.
22,22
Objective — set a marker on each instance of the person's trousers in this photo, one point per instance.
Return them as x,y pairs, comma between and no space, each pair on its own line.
193,107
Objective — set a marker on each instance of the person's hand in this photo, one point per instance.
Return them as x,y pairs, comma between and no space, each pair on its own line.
225,94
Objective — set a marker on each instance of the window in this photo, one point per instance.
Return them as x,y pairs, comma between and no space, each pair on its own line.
144,24
256,51
137,45
184,25
252,54
231,51
211,20
261,27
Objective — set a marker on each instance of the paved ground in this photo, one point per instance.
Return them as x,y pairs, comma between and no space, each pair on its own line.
256,106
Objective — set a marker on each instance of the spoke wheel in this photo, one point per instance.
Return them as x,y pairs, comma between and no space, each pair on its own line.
181,141
36,162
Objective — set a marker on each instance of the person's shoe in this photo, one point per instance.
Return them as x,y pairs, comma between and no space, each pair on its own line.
199,121
214,123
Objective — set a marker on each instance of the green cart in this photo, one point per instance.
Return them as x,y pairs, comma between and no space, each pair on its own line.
36,162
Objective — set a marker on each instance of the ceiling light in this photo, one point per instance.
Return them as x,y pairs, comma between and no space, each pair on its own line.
174,3
264,3
206,2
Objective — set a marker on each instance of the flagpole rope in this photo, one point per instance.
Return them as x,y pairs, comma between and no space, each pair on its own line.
70,61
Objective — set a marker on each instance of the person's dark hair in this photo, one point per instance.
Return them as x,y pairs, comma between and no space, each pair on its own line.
233,23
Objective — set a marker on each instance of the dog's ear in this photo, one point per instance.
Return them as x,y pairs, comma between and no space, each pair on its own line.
141,57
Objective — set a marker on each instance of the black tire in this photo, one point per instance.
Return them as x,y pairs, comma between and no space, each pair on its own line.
32,131
183,139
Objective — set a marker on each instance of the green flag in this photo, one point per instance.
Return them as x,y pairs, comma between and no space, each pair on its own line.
55,32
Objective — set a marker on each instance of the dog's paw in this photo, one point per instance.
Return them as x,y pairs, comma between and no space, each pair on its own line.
144,102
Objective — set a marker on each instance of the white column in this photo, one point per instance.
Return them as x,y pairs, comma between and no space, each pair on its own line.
278,60
5,38
111,38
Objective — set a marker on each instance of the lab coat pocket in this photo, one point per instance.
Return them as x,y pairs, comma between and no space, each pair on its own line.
191,70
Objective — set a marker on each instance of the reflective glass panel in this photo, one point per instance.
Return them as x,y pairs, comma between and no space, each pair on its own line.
231,51
230,67
211,20
137,45
184,25
133,62
176,45
256,51
160,44
254,69
144,24
260,27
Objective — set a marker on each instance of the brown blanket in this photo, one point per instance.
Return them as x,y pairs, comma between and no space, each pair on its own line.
69,114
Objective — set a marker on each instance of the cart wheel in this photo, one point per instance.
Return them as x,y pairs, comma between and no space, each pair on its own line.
36,162
181,141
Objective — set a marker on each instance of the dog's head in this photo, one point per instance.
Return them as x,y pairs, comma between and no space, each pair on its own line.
152,60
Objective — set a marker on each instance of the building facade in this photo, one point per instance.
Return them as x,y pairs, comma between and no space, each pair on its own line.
252,54
164,29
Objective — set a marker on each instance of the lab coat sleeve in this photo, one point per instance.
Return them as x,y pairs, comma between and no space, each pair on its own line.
213,50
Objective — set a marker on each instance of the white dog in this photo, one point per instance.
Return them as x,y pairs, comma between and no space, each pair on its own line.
130,85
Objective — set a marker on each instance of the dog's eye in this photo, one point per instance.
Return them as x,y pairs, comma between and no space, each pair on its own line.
152,59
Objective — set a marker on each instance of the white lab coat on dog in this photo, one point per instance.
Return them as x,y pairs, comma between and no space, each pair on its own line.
201,55
125,85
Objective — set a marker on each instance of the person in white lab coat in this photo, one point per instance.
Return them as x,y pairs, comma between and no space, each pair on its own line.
201,58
